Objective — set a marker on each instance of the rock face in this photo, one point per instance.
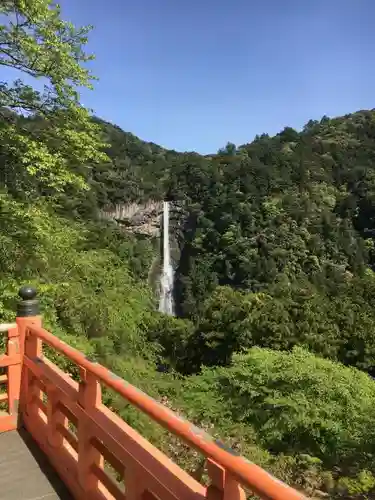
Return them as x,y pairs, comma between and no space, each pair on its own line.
144,218
141,218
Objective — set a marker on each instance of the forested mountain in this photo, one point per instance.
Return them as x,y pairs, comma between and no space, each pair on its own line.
277,252
278,237
273,347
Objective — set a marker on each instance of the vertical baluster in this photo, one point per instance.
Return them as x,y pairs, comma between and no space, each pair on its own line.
215,491
223,486
89,398
55,417
233,490
134,484
33,349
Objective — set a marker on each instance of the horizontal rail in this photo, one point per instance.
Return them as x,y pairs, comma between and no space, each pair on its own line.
4,327
6,361
247,473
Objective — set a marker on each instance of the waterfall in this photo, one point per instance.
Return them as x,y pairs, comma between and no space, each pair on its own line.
166,280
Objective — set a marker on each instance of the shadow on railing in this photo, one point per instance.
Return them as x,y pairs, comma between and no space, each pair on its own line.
52,404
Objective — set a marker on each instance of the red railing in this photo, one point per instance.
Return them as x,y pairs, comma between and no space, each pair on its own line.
10,377
52,404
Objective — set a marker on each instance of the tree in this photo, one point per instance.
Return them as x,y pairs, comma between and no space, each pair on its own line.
296,402
230,149
61,136
173,336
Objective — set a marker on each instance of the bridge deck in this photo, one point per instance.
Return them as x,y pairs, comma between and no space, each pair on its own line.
25,473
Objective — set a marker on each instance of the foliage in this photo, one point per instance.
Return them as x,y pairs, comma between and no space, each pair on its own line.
59,135
338,326
173,336
90,292
292,403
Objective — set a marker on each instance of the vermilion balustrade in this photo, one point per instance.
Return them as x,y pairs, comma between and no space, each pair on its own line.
46,400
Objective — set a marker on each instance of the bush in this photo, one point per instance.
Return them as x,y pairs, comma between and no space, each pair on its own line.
295,402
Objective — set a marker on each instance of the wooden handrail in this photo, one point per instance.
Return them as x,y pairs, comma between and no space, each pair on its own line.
4,327
248,474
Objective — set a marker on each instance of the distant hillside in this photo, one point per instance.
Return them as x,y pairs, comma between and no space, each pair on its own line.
290,216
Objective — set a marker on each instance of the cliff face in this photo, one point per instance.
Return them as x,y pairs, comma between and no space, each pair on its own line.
145,218
141,218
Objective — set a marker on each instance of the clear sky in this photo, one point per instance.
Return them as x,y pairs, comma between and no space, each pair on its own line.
195,74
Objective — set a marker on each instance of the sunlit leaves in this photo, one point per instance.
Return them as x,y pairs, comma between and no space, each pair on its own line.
36,42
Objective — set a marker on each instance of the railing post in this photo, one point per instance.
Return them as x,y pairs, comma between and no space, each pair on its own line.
27,315
223,486
14,374
89,398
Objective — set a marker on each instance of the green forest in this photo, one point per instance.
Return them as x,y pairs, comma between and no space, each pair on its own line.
273,346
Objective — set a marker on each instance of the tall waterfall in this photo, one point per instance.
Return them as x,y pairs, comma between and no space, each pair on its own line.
166,281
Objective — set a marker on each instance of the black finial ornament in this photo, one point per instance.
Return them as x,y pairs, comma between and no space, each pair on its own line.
29,304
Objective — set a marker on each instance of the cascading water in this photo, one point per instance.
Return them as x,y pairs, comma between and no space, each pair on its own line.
166,280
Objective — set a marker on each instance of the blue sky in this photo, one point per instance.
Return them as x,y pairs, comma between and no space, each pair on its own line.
195,74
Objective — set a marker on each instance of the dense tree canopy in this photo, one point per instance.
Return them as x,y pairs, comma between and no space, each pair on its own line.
293,403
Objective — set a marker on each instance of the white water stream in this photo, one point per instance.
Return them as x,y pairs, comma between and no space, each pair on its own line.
166,280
